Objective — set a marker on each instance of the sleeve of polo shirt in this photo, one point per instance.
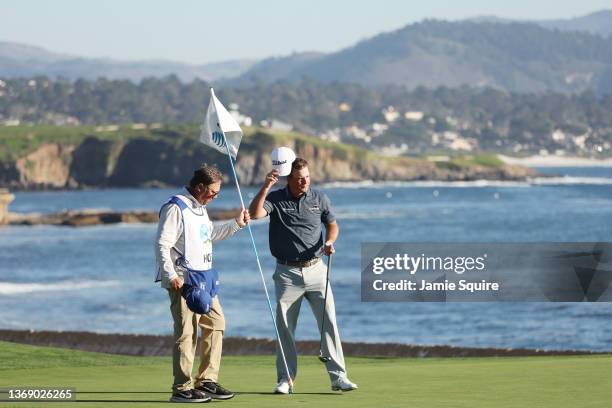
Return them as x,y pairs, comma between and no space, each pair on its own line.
268,203
327,215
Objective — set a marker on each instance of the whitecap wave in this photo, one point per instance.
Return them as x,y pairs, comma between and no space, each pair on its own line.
367,215
536,181
13,288
567,180
431,183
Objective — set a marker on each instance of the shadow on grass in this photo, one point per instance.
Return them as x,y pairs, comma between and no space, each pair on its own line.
280,395
122,401
238,393
107,401
124,392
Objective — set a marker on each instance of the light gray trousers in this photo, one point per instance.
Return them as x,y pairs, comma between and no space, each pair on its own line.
292,284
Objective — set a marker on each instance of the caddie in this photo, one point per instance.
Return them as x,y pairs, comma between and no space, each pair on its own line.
185,269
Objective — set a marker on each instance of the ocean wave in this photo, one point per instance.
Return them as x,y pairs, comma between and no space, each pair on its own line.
367,215
12,288
431,183
536,181
567,180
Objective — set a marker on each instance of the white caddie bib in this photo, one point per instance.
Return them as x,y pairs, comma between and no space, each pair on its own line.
197,232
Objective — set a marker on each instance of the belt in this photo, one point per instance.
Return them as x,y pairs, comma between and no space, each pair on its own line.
300,264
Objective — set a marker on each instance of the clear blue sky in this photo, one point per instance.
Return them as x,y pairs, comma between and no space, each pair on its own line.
199,31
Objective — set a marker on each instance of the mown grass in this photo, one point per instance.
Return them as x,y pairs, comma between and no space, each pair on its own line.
17,141
461,162
119,381
24,357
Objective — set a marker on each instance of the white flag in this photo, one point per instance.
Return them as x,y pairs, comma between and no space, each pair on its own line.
218,122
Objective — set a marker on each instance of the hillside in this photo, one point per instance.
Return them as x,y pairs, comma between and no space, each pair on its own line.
424,121
54,157
518,57
599,22
569,55
22,61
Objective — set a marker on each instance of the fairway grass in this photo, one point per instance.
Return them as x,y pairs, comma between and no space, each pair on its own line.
123,381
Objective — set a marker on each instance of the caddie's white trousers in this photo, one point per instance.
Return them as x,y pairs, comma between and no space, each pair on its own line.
292,284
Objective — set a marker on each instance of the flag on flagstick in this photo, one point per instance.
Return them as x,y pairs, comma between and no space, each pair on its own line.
219,121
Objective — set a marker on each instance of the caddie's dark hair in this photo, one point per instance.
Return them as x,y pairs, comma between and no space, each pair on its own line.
298,164
206,175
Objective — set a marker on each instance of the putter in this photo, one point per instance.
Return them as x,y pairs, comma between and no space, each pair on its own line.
324,358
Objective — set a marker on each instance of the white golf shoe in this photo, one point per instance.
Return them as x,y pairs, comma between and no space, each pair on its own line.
343,384
282,387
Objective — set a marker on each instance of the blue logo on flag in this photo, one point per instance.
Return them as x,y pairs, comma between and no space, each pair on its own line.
218,139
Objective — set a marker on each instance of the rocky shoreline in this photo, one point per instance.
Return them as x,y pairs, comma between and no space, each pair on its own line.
84,218
150,345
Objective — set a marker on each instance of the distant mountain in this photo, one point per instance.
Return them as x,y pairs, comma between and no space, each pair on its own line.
19,61
275,68
599,22
521,57
28,53
560,55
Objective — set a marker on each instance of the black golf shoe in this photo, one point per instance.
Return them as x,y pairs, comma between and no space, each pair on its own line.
215,390
190,396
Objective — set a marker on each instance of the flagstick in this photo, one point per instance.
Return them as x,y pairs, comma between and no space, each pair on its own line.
263,281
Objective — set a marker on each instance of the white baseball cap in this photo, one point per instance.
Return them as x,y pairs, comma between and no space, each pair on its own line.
282,158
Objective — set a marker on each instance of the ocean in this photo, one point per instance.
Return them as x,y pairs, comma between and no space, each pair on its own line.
100,278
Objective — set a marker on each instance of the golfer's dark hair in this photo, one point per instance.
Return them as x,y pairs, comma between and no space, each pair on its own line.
298,164
206,175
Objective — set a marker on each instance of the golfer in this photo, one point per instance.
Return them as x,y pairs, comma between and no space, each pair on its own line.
297,214
183,244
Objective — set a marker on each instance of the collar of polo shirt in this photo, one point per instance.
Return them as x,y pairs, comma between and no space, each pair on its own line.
288,192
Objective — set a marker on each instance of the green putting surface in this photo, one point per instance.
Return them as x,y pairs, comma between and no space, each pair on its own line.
122,381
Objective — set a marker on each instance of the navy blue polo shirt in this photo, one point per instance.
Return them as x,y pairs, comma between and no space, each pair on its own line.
296,232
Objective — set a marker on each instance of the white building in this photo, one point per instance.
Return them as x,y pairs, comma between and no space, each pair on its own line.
414,116
345,107
390,114
378,129
357,133
279,125
580,141
461,144
558,135
332,135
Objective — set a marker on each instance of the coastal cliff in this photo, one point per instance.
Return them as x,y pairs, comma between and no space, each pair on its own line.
167,157
5,199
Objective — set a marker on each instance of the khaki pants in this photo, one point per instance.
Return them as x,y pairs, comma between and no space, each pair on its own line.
186,325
